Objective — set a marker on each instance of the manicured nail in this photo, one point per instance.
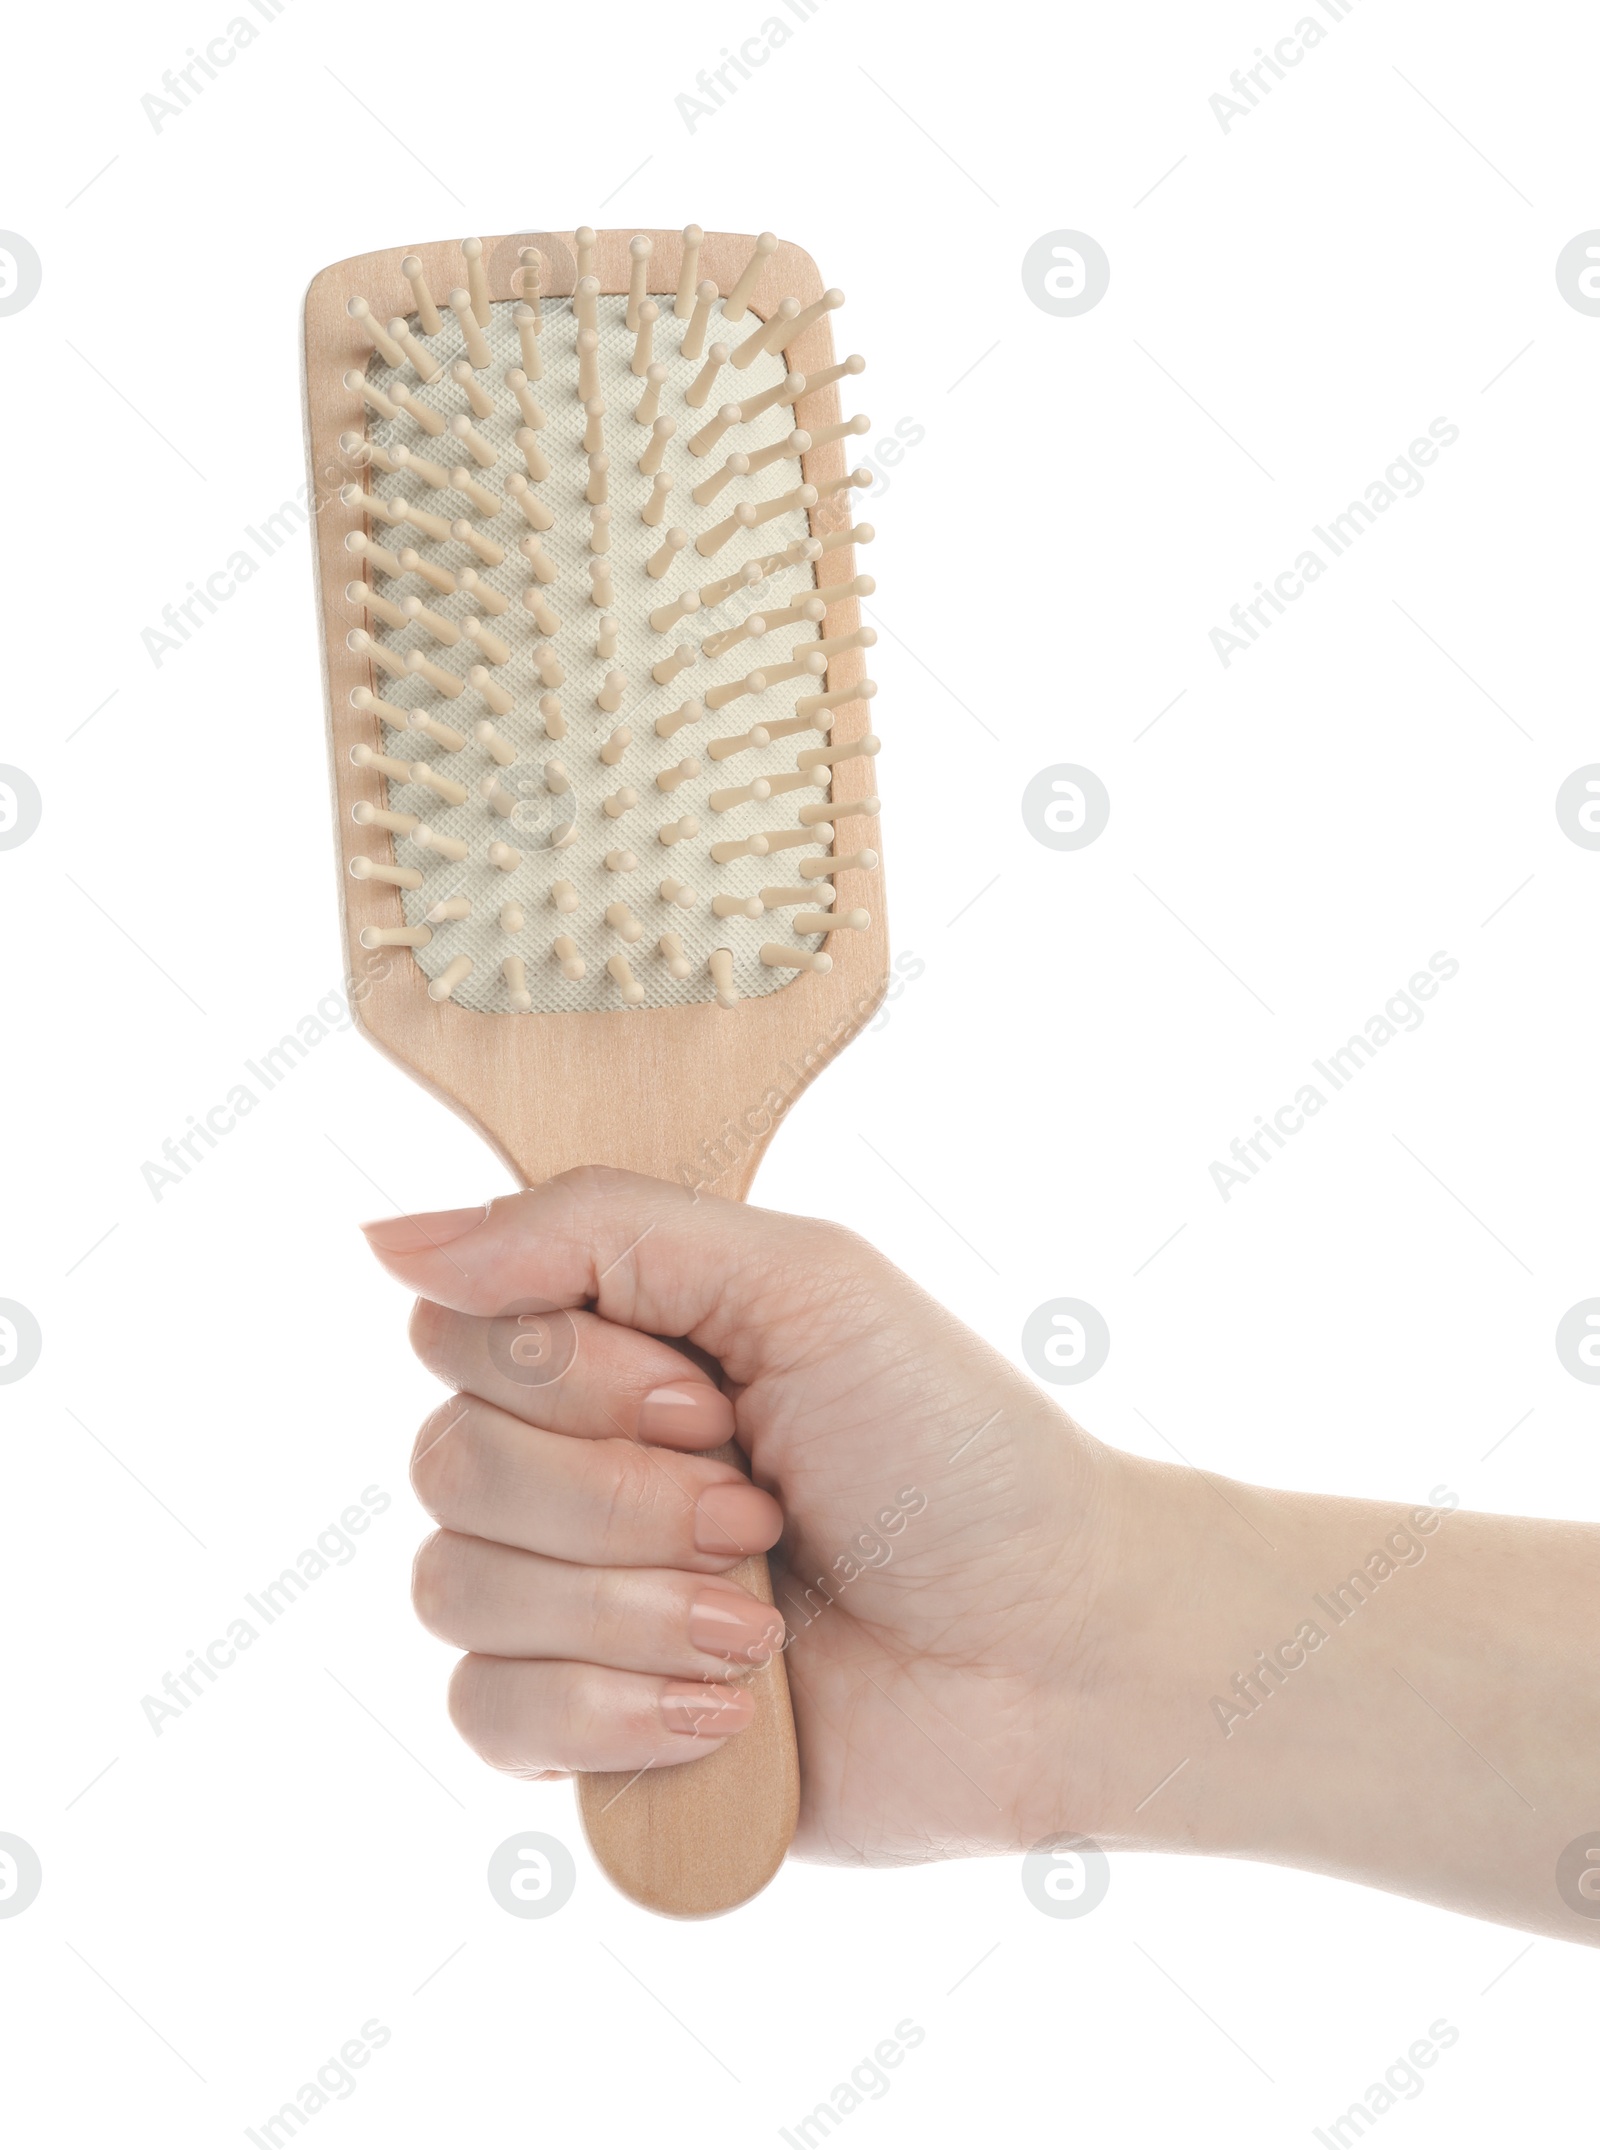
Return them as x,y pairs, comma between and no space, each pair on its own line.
727,1623
430,1228
736,1519
711,1711
690,1415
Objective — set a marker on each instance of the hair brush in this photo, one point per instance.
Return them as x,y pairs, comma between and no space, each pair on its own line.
602,777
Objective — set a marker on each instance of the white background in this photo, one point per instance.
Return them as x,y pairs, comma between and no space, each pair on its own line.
1290,838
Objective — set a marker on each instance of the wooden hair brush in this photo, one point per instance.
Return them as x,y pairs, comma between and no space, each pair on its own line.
597,709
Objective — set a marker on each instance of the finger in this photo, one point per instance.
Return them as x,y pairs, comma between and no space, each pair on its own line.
478,1470
574,1373
526,1717
504,1603
754,1289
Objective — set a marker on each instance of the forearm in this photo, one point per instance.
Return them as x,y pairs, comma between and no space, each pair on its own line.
1405,1698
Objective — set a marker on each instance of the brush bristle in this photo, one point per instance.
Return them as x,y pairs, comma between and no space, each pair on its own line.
594,614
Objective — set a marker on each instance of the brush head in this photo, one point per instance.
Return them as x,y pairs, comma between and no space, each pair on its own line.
609,664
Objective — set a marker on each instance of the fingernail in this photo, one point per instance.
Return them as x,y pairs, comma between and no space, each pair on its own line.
735,1519
429,1228
692,1415
727,1623
711,1711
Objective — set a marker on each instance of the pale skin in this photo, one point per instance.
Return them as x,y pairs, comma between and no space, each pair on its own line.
1020,1632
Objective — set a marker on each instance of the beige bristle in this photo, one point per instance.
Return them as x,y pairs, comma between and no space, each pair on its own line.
594,430
367,816
629,987
858,586
804,549
565,950
737,466
373,397
748,630
391,352
435,728
490,645
605,646
831,921
595,491
847,427
827,814
720,965
546,618
471,330
732,795
649,315
497,748
511,918
831,645
684,773
527,402
483,594
734,689
833,757
539,560
477,277
789,899
532,263
369,549
788,450
442,630
442,682
827,304
656,506
670,949
426,416
600,523
689,712
514,971
427,313
586,302
436,577
430,472
666,552
601,594
794,839
645,410
617,744
496,797
555,724
777,957
767,335
364,645
857,479
746,578
672,890
447,847
588,365
436,527
487,504
693,239
583,244
694,336
609,697
742,847
678,832
656,447
453,907
787,727
620,862
478,397
483,682
711,432
564,897
811,609
398,772
710,542
526,320
396,936
666,617
734,305
365,869
789,390
741,743
556,780
619,803
505,858
812,705
621,920
846,368
455,973
852,862
736,906
667,669
486,549
362,593
698,393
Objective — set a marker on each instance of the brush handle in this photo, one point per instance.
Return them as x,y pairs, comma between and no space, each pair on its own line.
703,1837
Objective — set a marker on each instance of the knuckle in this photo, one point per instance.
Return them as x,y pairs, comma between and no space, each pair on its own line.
435,1581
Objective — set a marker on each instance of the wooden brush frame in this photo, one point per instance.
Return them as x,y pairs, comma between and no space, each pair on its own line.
686,1093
